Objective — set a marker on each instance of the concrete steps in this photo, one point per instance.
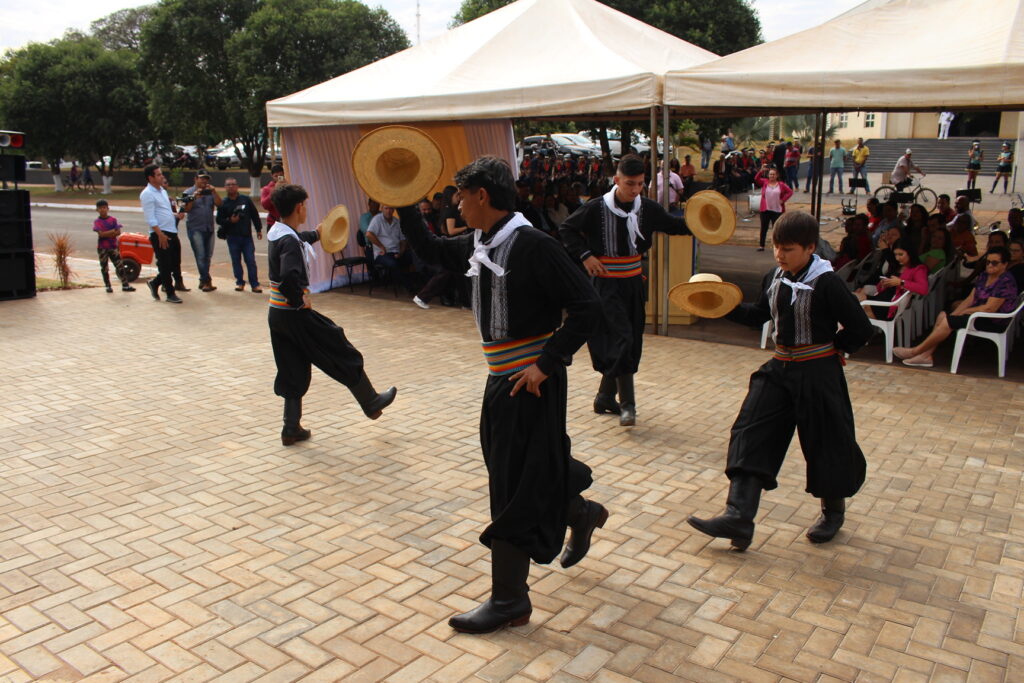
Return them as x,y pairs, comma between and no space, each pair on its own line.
933,156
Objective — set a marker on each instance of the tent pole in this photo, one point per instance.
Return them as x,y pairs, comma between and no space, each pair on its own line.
821,166
664,202
653,258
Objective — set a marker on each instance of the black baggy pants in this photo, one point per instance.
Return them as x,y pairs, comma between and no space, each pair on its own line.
303,338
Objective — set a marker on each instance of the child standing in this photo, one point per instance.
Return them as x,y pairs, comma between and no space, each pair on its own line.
107,229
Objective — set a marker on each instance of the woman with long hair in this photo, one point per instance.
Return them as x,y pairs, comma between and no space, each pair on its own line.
939,251
912,276
916,225
774,194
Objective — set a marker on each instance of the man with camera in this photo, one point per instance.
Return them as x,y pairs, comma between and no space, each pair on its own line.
237,216
198,203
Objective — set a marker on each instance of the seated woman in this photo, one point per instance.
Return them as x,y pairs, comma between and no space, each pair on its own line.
939,252
994,292
934,222
1017,263
912,276
856,244
916,224
880,262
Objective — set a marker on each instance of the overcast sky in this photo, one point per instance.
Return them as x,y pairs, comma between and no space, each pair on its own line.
21,21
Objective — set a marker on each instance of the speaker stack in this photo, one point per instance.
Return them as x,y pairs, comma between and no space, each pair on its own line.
17,259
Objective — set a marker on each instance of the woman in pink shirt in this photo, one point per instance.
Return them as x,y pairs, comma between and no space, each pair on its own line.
912,277
774,194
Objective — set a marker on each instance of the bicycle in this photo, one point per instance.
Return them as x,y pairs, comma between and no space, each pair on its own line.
924,196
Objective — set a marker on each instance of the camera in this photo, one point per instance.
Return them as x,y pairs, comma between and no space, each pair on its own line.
239,210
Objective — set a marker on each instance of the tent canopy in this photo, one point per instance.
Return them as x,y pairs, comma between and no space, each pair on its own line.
530,58
900,55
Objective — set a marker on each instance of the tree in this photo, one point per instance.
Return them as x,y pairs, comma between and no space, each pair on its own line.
474,9
122,30
72,97
212,65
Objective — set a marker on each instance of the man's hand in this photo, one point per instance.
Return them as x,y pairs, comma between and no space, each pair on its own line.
594,266
531,377
162,240
180,215
306,301
259,235
234,218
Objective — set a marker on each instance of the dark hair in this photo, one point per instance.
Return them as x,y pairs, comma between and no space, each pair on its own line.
936,217
1000,233
286,197
918,208
151,170
907,246
276,168
448,193
631,165
491,174
947,242
796,227
944,196
101,202
1002,252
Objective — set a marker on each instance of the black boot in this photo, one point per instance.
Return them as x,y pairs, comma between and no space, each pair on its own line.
373,404
833,514
293,431
737,522
627,401
509,604
583,516
605,401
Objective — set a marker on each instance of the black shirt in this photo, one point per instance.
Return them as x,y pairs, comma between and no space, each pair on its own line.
583,232
288,266
249,217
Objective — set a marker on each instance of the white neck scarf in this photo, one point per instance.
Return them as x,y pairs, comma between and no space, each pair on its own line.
480,257
818,266
279,230
632,222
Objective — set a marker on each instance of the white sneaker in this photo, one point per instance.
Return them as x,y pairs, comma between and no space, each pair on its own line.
420,302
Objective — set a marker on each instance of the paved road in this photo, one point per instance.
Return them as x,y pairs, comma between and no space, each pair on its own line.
78,224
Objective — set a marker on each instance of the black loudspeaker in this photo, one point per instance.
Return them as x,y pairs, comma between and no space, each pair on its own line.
858,182
17,275
15,221
902,197
12,167
974,194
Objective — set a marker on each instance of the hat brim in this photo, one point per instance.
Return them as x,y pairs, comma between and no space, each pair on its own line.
710,217
397,165
706,299
334,229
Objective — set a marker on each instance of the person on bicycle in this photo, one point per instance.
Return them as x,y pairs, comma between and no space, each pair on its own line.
900,176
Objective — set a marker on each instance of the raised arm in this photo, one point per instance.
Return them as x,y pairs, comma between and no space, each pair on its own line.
451,253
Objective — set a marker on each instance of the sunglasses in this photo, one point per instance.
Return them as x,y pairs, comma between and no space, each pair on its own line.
990,262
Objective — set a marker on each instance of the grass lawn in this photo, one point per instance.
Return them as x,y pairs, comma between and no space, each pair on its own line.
44,284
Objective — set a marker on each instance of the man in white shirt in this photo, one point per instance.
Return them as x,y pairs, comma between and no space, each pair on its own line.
945,119
389,247
900,176
163,233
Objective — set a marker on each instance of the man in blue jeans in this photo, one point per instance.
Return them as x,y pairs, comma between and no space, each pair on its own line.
237,216
837,160
199,209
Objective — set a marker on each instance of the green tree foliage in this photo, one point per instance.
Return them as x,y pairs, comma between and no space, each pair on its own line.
211,65
721,26
73,97
122,30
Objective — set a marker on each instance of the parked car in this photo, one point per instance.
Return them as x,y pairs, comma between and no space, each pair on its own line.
639,143
559,143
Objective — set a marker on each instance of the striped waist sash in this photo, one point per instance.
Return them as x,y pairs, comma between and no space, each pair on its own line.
804,352
277,299
507,356
621,266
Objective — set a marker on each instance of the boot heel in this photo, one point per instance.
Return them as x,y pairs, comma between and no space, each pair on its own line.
521,621
740,544
602,518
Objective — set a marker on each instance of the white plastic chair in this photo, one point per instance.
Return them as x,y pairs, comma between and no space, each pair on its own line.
1003,340
891,327
846,270
766,331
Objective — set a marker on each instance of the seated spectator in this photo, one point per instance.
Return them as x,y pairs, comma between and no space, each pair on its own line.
874,209
523,203
940,250
389,247
994,292
890,219
544,222
911,276
880,262
687,172
560,210
962,235
451,220
963,208
1015,224
917,221
856,244
1017,263
429,217
933,223
372,209
943,208
675,187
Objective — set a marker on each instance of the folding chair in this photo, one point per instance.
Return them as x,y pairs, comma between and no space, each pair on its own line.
891,327
1003,340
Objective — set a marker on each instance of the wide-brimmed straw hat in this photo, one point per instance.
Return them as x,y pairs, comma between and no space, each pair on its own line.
334,229
706,296
710,217
397,165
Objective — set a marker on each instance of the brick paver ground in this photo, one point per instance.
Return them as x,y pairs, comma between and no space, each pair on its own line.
153,528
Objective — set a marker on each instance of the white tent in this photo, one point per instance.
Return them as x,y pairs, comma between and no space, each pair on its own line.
530,58
900,55
533,58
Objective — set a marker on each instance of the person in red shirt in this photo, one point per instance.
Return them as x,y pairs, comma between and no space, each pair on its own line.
942,206
277,177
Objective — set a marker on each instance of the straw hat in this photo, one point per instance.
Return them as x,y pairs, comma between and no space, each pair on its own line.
710,217
705,295
397,165
334,229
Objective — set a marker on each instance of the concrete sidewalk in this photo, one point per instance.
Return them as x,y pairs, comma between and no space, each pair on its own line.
153,527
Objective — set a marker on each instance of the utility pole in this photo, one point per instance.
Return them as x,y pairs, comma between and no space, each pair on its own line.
417,22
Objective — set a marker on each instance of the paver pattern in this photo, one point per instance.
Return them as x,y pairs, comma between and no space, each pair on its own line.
153,528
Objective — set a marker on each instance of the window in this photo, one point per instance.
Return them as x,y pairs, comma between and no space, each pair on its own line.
869,120
844,120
